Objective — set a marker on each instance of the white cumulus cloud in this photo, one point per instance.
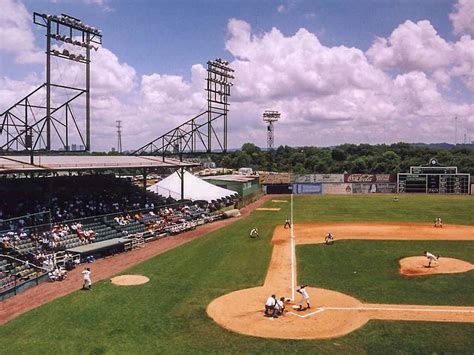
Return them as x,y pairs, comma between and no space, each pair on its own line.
463,17
412,46
16,35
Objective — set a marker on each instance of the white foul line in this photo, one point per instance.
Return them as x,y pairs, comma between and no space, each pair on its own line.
321,309
398,309
292,246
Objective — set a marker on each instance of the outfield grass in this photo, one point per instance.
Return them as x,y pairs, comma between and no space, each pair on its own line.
168,314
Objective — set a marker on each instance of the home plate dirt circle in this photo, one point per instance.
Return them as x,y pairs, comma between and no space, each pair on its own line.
129,280
242,312
418,266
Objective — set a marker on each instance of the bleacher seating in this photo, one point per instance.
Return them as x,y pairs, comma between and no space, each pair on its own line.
13,272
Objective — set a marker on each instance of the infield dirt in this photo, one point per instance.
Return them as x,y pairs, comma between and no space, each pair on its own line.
332,313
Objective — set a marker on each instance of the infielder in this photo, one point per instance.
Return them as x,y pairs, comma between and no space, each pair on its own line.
329,239
287,223
431,258
438,222
304,297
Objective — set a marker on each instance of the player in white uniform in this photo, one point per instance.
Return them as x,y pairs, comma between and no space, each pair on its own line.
270,306
254,233
86,274
304,297
329,239
431,258
280,306
438,222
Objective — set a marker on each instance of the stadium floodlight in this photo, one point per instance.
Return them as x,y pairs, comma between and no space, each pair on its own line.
55,125
270,117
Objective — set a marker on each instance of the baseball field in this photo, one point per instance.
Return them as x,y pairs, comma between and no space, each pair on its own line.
175,311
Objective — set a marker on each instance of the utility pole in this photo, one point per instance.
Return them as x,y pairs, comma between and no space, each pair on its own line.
455,130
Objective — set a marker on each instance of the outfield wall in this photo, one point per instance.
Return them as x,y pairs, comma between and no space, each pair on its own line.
343,184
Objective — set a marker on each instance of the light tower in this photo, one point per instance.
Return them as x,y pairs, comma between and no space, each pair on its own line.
53,114
119,136
270,117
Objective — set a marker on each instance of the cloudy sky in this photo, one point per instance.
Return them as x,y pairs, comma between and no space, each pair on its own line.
339,71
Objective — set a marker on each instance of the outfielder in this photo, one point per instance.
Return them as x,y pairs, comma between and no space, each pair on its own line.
431,258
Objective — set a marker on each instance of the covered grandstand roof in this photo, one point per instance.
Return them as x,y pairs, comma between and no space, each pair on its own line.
43,163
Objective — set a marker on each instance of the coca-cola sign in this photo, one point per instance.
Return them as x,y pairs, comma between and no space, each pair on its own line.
369,177
359,178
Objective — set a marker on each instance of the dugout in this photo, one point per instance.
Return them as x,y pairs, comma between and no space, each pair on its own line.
275,183
244,185
434,178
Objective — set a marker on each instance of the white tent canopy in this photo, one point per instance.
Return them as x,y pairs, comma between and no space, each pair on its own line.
194,188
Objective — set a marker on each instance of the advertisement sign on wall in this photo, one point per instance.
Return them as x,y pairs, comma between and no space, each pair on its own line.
313,189
370,178
374,188
310,178
337,189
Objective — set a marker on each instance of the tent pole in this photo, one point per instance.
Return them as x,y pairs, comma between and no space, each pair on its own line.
182,183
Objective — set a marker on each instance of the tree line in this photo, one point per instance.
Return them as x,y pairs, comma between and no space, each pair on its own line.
346,158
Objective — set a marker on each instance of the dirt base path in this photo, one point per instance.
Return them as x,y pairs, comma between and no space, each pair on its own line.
107,267
332,313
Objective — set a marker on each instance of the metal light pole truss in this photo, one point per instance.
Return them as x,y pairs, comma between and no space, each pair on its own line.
201,133
33,123
270,117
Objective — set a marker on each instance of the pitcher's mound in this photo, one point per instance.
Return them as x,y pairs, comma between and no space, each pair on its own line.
418,266
129,280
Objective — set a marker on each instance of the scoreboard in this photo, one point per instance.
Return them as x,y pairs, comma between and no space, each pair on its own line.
433,179
434,183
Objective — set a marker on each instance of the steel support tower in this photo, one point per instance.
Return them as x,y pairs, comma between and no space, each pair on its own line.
45,119
205,132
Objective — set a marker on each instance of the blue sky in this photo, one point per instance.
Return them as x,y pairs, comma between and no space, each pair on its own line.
400,69
170,36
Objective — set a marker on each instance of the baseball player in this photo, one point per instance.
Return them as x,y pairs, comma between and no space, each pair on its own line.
280,306
431,258
329,239
254,233
270,307
304,297
86,275
438,222
287,223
